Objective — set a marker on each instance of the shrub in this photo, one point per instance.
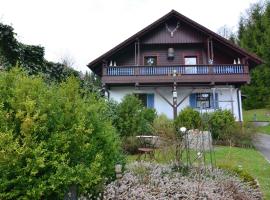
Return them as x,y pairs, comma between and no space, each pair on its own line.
52,138
222,125
242,135
130,144
133,118
146,122
164,127
188,118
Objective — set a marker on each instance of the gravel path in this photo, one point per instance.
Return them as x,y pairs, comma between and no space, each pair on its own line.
262,143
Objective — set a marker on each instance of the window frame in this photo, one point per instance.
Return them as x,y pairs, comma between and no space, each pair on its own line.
150,55
208,100
191,57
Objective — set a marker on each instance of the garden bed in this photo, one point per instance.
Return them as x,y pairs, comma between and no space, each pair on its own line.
145,180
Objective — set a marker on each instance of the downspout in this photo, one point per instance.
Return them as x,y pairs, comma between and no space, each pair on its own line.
239,106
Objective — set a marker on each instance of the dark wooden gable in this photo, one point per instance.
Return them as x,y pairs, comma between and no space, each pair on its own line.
189,33
183,34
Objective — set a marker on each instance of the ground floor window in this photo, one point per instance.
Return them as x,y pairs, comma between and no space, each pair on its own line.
146,99
203,100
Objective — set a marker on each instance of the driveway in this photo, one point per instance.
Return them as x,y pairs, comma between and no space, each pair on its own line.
262,143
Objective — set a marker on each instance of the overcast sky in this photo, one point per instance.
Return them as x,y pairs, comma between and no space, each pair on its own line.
84,29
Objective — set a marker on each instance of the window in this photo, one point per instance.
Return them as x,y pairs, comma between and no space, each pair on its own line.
191,60
150,60
147,99
203,100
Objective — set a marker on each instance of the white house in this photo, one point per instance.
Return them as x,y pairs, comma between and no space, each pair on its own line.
174,63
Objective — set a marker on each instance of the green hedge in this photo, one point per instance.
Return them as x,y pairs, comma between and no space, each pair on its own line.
52,137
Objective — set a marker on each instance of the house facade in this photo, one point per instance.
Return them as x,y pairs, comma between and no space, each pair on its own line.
174,63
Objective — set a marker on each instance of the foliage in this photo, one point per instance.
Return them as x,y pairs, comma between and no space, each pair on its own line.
91,82
164,127
244,135
249,159
52,137
133,118
130,144
188,118
253,35
258,95
261,115
146,122
222,124
30,57
243,174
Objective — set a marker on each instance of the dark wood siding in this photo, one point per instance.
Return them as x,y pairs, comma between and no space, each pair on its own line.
124,57
184,34
161,51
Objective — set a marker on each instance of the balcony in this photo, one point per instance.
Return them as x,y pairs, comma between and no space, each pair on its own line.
185,74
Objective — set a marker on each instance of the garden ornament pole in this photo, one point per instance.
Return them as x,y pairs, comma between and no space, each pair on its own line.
118,172
174,95
183,130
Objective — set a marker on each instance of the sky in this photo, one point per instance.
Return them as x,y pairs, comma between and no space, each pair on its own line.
82,30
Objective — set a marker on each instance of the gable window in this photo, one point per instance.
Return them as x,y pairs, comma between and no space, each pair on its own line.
150,60
146,99
203,100
190,60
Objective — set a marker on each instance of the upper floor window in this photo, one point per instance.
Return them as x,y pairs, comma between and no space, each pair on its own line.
150,60
190,60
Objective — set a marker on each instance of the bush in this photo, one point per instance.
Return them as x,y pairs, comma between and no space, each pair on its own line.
130,144
52,138
242,135
188,118
164,127
222,125
133,118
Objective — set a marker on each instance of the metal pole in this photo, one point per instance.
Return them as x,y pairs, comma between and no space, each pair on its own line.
174,96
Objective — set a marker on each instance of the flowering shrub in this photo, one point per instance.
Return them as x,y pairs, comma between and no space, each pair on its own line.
144,180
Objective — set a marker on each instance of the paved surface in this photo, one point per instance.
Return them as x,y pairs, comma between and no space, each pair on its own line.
262,143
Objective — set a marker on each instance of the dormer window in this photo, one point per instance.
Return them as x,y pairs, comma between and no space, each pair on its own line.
150,60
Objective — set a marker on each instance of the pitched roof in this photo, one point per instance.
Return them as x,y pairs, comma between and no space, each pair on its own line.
92,65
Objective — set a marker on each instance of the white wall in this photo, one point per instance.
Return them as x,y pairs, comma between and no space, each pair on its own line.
224,94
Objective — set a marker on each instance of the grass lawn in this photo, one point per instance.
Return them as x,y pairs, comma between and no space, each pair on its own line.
261,114
264,129
250,160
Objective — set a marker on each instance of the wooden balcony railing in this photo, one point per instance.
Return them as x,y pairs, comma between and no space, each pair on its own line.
167,70
185,74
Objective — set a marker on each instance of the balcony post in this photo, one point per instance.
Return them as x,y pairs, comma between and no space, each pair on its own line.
136,71
210,69
246,70
104,68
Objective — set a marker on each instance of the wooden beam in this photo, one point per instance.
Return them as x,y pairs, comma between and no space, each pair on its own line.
163,97
185,98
